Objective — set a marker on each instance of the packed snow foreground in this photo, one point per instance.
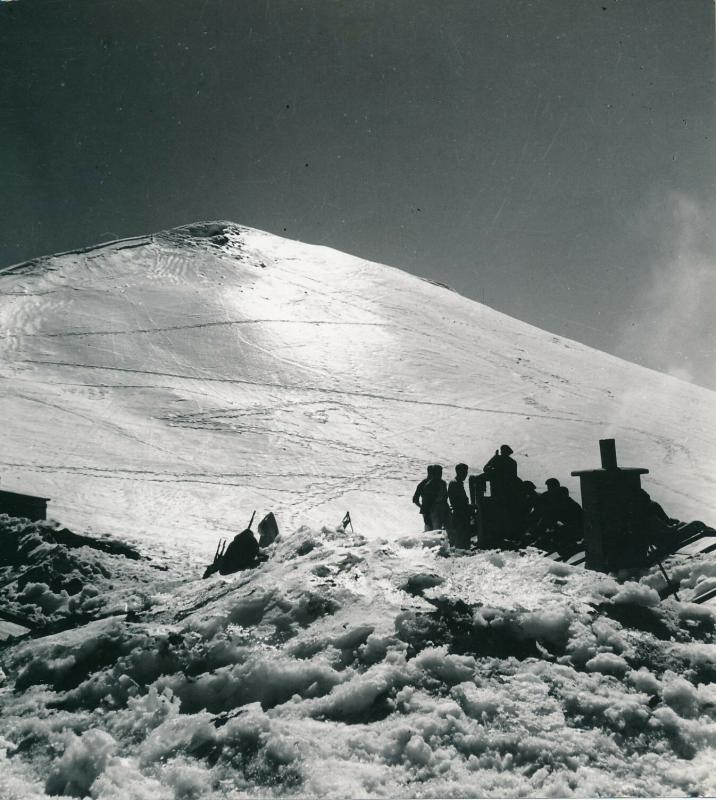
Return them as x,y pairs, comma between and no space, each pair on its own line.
160,389
347,666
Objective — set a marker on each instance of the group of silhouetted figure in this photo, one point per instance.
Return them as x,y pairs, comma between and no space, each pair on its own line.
500,511
513,513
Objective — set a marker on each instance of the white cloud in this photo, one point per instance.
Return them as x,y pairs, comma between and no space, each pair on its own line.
674,328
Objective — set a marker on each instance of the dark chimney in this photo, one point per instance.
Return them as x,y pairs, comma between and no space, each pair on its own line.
608,452
614,525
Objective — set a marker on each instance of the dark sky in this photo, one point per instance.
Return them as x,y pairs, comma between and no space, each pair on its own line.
553,158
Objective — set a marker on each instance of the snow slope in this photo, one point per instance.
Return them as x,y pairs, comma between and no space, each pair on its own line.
163,387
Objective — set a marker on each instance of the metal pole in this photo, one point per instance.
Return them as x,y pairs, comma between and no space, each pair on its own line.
668,580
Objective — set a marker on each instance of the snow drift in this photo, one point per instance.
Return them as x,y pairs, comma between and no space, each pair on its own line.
354,667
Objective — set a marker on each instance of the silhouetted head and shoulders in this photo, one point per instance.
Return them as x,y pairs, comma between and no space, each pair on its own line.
431,488
566,500
528,495
456,489
548,499
552,491
437,484
502,465
529,489
429,475
420,488
461,471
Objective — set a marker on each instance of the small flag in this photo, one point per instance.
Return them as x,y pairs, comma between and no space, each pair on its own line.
347,521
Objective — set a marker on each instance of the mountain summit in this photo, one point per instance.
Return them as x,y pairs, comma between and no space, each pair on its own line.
163,387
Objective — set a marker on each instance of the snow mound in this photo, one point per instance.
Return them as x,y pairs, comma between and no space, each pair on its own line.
368,668
52,578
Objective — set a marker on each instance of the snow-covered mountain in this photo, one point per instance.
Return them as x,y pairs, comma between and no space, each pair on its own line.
164,387
161,388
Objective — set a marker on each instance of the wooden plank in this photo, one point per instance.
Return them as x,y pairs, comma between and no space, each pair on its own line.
706,597
694,538
701,545
577,558
9,630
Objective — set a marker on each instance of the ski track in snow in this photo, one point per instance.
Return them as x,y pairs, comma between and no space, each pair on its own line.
322,390
200,325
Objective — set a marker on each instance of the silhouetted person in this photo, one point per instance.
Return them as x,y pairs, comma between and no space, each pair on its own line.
528,499
659,526
560,520
655,510
528,496
459,528
440,511
570,514
501,471
421,501
431,498
544,513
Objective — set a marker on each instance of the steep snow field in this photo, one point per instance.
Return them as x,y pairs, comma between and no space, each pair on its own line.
159,389
163,387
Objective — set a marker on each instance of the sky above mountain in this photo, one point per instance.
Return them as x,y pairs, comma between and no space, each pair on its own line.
552,159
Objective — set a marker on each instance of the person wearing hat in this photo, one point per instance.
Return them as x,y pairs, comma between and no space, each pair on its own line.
501,470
